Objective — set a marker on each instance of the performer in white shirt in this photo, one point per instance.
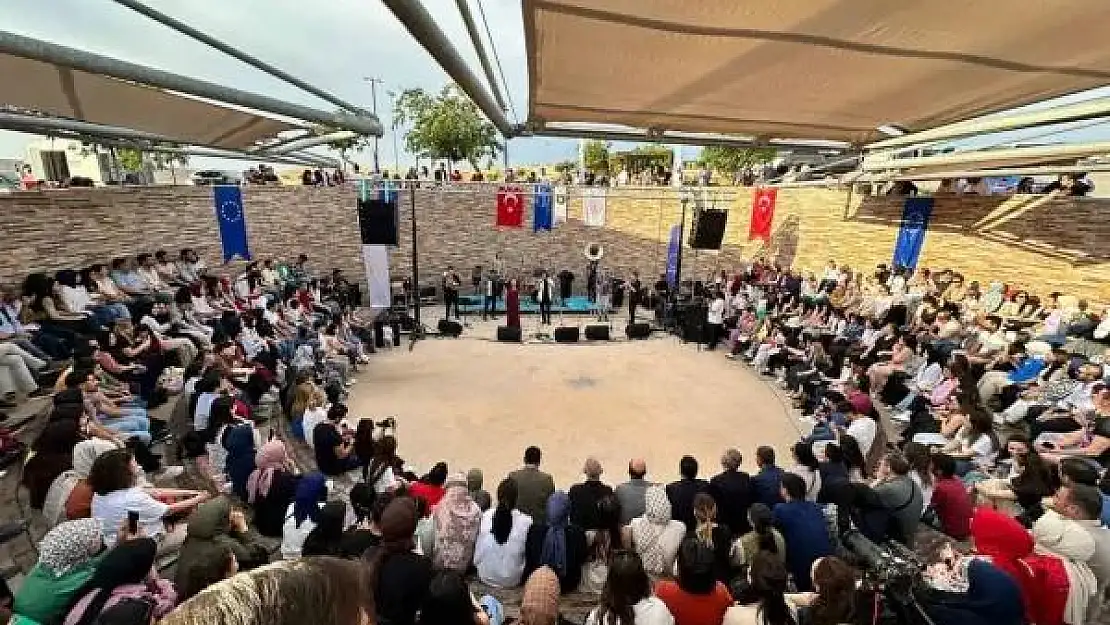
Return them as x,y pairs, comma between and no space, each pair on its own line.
715,320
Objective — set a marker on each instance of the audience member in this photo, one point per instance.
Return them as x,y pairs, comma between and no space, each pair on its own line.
326,537
539,604
768,583
457,521
366,531
682,492
767,482
474,482
431,487
212,528
655,537
900,496
695,597
803,530
303,514
68,557
533,486
398,578
584,497
271,487
449,601
733,492
950,499
125,572
502,536
627,598
557,543
1082,504
762,538
631,493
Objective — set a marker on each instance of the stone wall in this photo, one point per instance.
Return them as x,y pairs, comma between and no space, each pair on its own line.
1038,243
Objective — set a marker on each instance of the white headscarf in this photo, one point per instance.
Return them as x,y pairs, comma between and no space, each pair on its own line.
649,536
1074,545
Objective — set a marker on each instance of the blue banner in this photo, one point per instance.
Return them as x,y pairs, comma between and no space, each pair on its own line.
542,202
389,191
228,201
672,256
911,235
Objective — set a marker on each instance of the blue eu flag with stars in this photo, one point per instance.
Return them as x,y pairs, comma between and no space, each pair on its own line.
228,200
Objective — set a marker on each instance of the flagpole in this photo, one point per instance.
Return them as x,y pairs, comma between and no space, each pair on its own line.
415,261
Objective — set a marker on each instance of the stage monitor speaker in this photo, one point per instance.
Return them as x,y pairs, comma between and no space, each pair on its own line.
638,330
450,328
566,334
708,229
597,333
508,334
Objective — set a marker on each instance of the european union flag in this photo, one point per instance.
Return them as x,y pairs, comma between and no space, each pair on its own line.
911,234
542,213
228,200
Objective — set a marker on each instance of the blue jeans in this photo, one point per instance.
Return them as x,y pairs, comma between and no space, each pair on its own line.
106,314
129,427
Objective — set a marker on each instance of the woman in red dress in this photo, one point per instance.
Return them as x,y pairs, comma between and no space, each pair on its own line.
512,305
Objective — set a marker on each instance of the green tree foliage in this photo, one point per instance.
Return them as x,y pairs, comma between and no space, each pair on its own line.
732,160
129,159
596,155
133,159
447,125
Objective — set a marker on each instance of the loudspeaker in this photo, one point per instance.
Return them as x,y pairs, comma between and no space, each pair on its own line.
597,333
377,221
450,328
708,229
568,334
638,330
508,334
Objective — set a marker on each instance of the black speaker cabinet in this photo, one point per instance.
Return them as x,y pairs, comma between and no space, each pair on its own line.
597,333
708,229
568,334
508,334
638,330
450,328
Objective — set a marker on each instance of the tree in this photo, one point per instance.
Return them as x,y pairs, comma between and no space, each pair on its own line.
732,160
133,159
129,159
596,155
445,126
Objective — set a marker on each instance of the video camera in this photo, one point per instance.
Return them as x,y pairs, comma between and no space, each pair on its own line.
894,572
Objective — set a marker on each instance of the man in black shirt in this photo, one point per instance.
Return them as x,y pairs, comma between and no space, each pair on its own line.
732,490
334,451
584,497
451,284
682,493
634,294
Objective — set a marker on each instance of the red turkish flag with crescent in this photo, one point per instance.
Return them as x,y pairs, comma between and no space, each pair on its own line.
510,207
763,213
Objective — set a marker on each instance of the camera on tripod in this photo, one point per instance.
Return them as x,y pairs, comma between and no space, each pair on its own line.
893,572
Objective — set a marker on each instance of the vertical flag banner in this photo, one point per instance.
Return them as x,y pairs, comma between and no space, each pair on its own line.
593,206
228,201
375,259
561,201
510,207
377,222
763,213
542,217
389,191
911,234
672,255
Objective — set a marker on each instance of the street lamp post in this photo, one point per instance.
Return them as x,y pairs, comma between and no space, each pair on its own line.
374,99
393,126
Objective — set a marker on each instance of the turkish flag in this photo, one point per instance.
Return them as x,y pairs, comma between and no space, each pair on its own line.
510,207
763,213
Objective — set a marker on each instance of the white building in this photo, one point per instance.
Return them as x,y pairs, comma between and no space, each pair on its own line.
58,160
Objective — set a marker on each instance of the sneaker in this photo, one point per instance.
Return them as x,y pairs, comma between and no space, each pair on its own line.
170,472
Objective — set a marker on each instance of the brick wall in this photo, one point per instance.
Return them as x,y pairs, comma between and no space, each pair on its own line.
1039,243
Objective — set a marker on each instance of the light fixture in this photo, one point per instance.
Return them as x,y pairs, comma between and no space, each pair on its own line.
891,130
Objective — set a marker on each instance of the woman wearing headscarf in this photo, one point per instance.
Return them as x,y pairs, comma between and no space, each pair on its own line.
325,538
398,577
972,591
456,520
432,487
73,485
539,605
1009,547
125,572
303,513
1056,536
271,487
655,536
557,543
211,527
502,535
68,556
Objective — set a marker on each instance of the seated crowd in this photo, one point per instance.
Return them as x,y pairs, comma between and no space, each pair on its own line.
1002,445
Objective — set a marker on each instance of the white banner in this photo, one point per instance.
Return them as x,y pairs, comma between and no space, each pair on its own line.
593,206
559,205
375,259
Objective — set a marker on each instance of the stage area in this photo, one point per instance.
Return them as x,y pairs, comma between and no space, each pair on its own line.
477,403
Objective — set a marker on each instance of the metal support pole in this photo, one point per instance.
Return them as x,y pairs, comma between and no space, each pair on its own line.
415,259
311,142
205,38
476,39
423,28
681,233
374,99
796,146
62,56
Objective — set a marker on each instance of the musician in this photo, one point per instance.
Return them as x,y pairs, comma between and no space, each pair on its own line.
715,318
492,289
591,280
545,295
604,296
451,284
635,293
662,296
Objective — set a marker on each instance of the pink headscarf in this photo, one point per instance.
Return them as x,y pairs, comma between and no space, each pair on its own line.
457,519
271,457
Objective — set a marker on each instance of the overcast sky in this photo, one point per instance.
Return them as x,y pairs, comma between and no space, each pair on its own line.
332,44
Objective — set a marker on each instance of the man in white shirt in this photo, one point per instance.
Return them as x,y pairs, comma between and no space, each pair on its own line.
715,319
862,428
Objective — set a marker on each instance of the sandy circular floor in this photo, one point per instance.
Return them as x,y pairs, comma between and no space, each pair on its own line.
477,403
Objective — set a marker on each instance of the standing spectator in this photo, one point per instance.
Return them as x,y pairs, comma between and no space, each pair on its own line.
695,597
767,483
584,497
533,486
681,493
803,529
631,493
732,489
